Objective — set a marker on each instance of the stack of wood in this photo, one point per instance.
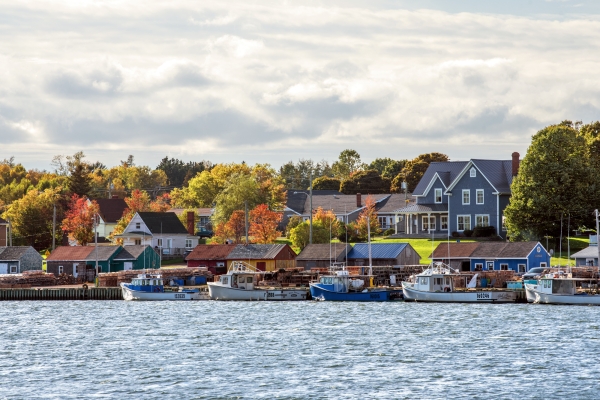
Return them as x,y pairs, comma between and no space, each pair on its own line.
114,279
65,279
27,279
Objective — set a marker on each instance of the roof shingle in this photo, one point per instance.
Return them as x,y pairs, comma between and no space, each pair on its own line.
210,252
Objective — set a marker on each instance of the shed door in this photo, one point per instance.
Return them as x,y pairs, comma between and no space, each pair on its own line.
75,270
128,265
3,268
261,265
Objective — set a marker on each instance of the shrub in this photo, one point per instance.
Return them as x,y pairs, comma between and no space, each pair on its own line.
484,231
389,232
468,232
455,234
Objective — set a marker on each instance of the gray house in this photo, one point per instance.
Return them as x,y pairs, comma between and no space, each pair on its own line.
457,196
586,257
383,254
16,259
322,255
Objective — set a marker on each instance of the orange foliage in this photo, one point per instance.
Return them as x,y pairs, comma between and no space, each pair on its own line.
263,224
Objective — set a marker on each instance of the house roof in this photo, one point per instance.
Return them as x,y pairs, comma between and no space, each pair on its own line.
498,172
424,208
456,250
211,252
297,199
12,252
588,252
111,210
103,253
519,249
378,250
447,171
70,253
394,202
323,251
203,212
130,252
256,251
162,222
341,204
3,221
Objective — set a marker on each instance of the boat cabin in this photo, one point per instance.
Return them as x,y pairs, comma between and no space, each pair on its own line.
238,281
434,283
147,284
557,286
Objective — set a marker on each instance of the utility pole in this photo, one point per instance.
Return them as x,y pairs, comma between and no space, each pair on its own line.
96,241
597,236
54,228
9,233
246,220
311,210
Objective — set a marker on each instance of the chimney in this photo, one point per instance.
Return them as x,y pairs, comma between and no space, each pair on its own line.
515,163
190,222
358,200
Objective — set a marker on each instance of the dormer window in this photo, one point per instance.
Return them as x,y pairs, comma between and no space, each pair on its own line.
473,172
438,196
138,225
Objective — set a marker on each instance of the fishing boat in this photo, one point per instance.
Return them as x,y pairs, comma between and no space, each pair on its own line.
339,286
241,283
151,287
436,284
559,289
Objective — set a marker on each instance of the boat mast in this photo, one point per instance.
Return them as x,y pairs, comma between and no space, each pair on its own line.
597,244
369,241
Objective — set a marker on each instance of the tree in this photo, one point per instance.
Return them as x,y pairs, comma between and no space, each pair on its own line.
414,169
365,182
300,235
263,224
347,163
240,189
293,222
31,217
556,180
297,176
140,201
179,173
387,167
237,225
79,219
326,183
79,180
368,216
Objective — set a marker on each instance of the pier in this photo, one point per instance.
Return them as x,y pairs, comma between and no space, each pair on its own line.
75,293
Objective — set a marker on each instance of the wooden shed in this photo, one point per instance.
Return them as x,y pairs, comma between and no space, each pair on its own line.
322,255
212,256
383,254
265,257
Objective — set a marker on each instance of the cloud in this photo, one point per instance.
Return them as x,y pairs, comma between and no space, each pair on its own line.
271,82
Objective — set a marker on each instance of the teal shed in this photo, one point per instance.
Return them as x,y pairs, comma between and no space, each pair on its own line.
136,257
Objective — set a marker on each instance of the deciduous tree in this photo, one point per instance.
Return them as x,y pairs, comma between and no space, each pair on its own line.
326,183
365,182
263,224
368,216
79,219
347,163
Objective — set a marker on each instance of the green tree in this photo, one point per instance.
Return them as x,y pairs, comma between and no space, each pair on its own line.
179,173
556,180
300,235
297,176
348,162
365,182
387,167
79,180
326,183
414,170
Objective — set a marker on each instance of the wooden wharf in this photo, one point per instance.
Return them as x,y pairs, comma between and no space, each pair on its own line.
79,293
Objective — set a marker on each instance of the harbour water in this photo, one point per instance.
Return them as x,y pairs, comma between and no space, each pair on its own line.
207,349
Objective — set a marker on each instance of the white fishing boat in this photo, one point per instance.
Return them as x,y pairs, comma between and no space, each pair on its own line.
241,281
151,288
557,289
436,284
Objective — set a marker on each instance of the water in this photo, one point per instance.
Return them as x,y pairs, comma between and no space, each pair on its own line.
207,349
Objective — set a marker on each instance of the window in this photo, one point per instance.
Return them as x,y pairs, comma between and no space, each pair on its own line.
428,223
542,265
466,198
479,196
438,196
203,221
188,243
170,243
521,267
478,266
503,267
503,224
473,172
13,269
463,222
159,242
444,222
60,269
489,265
138,225
382,222
482,220
138,242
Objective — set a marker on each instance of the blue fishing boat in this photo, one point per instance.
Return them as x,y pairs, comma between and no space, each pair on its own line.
151,288
340,287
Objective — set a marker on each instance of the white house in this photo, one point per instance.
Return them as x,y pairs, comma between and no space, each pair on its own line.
161,230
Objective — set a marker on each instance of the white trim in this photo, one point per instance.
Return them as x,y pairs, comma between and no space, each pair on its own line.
475,266
435,192
487,265
442,225
477,191
429,224
482,215
464,171
473,172
519,267
463,197
506,269
457,224
430,184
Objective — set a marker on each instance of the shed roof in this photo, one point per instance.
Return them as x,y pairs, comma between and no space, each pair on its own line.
211,252
456,250
519,249
588,252
131,252
162,222
323,251
10,253
70,253
378,250
111,210
257,251
103,253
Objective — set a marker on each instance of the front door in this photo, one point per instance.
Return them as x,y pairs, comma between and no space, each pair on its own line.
128,265
261,265
3,268
75,270
490,265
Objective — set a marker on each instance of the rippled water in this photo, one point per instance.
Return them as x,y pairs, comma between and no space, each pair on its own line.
207,349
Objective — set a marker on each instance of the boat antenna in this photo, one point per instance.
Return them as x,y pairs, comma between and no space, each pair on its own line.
597,244
369,241
569,242
560,240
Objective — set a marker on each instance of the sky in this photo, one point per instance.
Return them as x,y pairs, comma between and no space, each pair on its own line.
278,81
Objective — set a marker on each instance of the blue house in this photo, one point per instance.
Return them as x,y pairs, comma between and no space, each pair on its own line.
493,256
455,196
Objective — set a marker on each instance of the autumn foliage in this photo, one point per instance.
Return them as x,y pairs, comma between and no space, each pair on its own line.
263,224
79,219
368,216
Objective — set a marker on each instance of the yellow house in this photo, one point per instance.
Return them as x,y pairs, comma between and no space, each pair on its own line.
265,257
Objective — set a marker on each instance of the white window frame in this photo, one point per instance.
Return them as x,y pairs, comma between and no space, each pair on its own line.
13,269
137,242
443,221
504,267
521,268
159,242
472,172
477,193
543,265
477,216
188,243
458,223
428,223
437,193
487,265
61,269
479,265
138,225
468,198
383,222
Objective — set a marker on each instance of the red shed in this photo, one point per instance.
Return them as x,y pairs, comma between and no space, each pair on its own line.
213,256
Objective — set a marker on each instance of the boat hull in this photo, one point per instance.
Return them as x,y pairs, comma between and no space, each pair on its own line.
534,296
218,292
130,295
499,296
319,293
